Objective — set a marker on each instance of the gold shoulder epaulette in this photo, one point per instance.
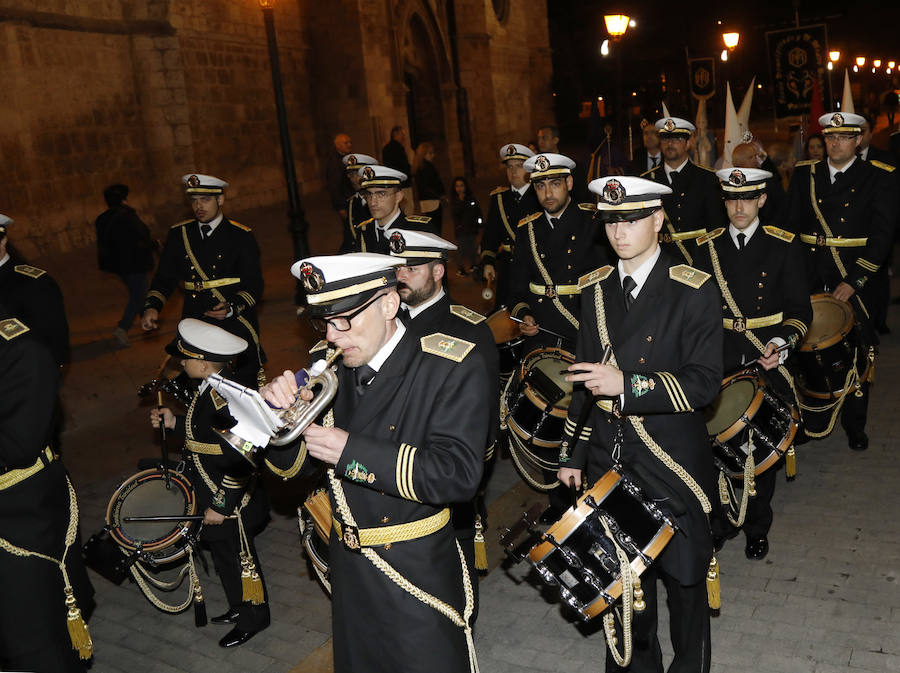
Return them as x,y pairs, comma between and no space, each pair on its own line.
785,236
530,218
594,276
181,224
323,344
466,314
883,166
499,190
650,171
218,400
806,162
11,328
707,237
419,219
362,225
688,275
240,226
445,346
30,271
705,168
590,207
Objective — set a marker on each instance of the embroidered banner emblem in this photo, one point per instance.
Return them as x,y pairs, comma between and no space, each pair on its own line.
641,385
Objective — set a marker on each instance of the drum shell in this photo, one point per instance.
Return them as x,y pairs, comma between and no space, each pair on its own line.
509,340
579,528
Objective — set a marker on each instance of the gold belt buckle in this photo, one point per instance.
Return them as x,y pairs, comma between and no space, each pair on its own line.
820,240
550,291
665,237
739,324
198,285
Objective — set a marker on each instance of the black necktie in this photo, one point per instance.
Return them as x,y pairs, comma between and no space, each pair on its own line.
654,161
364,376
516,196
673,178
553,222
837,176
404,315
628,285
206,230
741,239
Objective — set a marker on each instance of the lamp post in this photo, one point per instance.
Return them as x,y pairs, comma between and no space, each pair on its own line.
297,225
616,25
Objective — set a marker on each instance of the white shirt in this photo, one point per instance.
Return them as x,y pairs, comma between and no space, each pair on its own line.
864,154
832,170
650,159
416,310
521,190
380,229
669,169
213,223
385,351
748,232
5,259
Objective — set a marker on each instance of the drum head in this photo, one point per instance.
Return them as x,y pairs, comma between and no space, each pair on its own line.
145,494
734,399
503,327
547,384
832,320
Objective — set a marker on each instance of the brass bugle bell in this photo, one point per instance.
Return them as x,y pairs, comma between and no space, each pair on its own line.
299,415
488,292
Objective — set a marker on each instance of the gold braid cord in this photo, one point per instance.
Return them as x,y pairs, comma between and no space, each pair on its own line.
679,244
516,446
630,586
462,621
851,381
503,217
78,630
637,423
194,591
726,490
547,279
735,309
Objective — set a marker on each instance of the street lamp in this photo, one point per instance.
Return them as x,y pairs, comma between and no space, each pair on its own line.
616,24
731,40
860,61
877,62
834,56
297,225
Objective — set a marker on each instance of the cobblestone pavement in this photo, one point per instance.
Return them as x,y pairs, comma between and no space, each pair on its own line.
825,600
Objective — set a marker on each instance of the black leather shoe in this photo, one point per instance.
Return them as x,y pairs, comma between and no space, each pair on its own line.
236,637
757,548
858,441
229,617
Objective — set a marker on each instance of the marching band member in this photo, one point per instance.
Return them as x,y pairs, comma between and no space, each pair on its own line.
761,275
357,208
662,321
234,505
405,438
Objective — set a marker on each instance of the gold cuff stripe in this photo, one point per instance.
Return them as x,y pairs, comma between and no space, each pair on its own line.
234,482
518,307
558,289
247,297
867,265
13,477
324,297
294,469
679,399
405,463
754,323
194,446
834,241
401,532
796,324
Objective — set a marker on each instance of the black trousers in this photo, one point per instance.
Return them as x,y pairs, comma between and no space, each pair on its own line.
227,561
855,411
688,628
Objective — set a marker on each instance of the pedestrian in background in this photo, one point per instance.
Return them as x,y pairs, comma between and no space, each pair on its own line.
429,186
467,223
339,187
125,248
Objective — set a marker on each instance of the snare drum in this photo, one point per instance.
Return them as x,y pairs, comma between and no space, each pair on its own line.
578,555
145,494
509,340
539,397
830,349
746,404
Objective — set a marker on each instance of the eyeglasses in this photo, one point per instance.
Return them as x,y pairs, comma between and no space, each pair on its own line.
377,196
341,323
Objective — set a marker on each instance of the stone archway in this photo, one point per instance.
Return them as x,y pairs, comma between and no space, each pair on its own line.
422,80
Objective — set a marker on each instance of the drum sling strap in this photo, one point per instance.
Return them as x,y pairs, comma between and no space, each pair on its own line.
462,621
78,630
712,575
547,279
261,375
791,455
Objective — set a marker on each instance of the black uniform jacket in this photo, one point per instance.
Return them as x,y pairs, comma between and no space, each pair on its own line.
34,515
767,278
229,475
368,240
230,252
357,211
31,295
695,203
416,444
669,348
504,213
568,250
862,203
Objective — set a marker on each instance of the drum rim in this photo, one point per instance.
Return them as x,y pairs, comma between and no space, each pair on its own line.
751,411
837,338
532,397
125,542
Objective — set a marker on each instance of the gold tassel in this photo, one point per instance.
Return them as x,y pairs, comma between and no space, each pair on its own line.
78,630
200,619
256,595
481,563
790,464
639,603
246,580
713,588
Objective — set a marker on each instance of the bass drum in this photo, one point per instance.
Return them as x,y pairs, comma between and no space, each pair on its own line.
744,405
830,351
509,340
145,494
538,398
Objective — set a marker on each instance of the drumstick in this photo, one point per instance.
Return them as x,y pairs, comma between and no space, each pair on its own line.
573,491
168,517
585,412
543,329
162,439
